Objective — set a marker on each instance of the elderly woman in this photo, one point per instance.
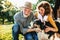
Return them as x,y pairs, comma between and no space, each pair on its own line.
44,14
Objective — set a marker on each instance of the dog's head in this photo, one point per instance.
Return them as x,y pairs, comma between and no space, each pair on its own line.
38,22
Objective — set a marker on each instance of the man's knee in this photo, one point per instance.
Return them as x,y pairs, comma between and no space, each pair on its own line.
28,37
15,28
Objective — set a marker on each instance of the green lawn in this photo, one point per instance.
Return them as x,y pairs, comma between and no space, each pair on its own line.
6,32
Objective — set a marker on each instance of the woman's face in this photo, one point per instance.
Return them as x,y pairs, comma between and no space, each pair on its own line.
42,11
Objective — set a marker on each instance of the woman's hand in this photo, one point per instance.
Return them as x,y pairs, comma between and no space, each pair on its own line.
48,29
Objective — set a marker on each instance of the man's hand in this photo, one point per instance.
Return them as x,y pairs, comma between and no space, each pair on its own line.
37,29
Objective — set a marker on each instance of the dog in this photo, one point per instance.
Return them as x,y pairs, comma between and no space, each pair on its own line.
42,34
42,26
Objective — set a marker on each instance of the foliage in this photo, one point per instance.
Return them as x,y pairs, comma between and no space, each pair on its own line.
7,11
52,3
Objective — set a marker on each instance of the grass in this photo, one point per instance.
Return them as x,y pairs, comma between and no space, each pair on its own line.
6,32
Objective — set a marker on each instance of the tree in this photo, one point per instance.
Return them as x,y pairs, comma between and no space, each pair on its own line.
6,8
57,4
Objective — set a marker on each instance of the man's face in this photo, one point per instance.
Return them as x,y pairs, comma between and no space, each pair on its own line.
27,11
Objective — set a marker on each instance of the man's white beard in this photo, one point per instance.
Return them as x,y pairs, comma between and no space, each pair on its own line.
26,15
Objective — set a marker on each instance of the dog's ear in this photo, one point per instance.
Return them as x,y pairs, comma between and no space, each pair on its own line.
37,22
48,24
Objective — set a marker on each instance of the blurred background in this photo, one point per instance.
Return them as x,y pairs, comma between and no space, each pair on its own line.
9,7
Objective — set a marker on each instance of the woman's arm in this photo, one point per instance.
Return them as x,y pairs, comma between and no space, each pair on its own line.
50,19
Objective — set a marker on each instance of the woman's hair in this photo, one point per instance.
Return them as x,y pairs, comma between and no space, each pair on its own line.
46,6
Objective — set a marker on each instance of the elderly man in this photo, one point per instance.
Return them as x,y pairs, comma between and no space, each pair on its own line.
22,24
